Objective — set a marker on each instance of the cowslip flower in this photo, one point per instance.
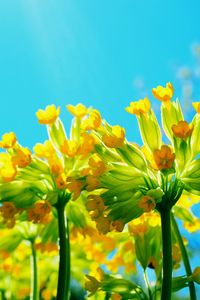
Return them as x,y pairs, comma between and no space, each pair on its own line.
93,121
22,157
163,94
164,157
8,140
115,138
147,203
69,148
182,129
141,106
49,115
78,111
7,169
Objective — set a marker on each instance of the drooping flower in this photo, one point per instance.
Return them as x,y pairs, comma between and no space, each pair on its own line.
139,107
93,121
22,157
164,157
49,115
147,203
163,94
182,129
114,139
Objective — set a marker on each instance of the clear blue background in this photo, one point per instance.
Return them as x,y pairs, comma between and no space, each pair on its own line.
61,51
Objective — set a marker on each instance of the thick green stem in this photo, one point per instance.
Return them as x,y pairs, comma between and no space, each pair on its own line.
34,277
64,253
167,255
185,257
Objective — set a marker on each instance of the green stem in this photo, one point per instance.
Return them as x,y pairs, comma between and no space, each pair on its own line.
34,288
167,255
64,253
185,257
147,285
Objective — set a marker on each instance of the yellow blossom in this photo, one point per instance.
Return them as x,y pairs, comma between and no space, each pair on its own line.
196,106
114,139
69,148
95,206
49,115
164,157
163,94
45,150
93,121
61,181
8,140
74,186
141,106
56,166
7,170
86,146
117,225
147,203
103,224
40,212
182,129
92,183
22,157
78,111
192,226
116,297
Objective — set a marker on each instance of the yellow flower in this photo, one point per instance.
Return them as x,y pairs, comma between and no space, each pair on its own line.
92,183
196,275
139,107
78,111
192,226
86,146
164,157
116,297
117,225
97,165
147,203
61,181
103,224
8,140
95,206
7,170
182,129
22,157
115,139
49,115
40,212
74,186
69,148
163,94
196,106
93,122
45,150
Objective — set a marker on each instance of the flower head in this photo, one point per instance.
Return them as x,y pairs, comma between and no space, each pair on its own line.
182,129
147,203
163,94
49,115
7,169
93,121
114,139
78,111
8,140
164,157
139,107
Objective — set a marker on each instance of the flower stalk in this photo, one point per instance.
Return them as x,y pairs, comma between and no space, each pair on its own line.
34,287
185,257
63,287
167,254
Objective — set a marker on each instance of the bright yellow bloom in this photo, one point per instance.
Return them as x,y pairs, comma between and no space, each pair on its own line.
56,166
182,129
86,146
92,183
103,224
163,94
8,140
69,148
138,226
78,111
139,107
40,212
95,206
114,139
7,170
74,186
61,181
192,226
97,164
49,115
164,157
93,121
22,157
147,203
196,106
45,150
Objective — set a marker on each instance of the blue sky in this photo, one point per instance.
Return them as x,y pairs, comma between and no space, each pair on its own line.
61,52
